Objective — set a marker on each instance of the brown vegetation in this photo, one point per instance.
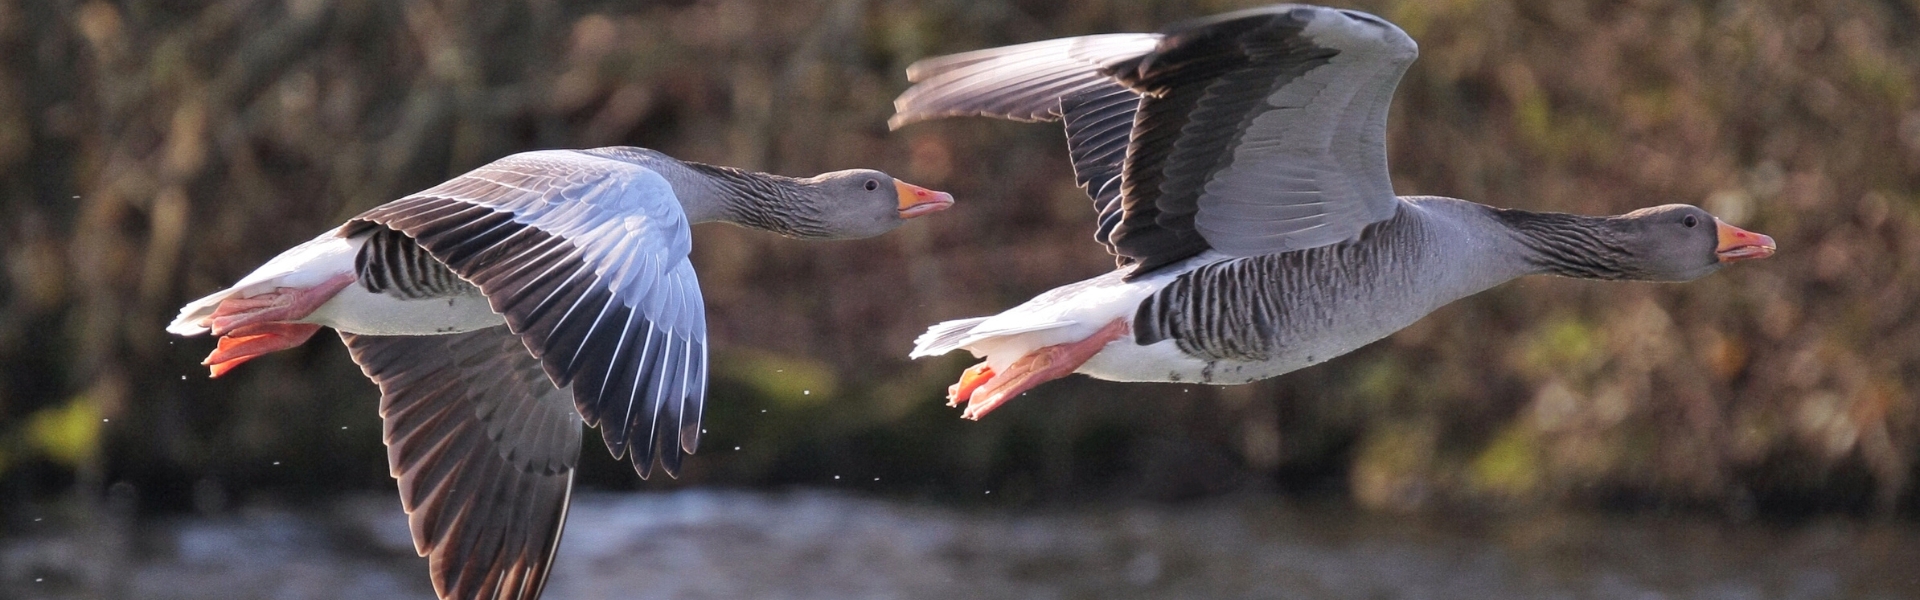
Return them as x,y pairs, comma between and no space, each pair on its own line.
153,151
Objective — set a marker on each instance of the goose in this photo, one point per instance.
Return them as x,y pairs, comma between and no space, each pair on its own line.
499,311
1238,167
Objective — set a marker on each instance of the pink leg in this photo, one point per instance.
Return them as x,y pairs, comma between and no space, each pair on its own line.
1037,367
278,306
243,344
252,326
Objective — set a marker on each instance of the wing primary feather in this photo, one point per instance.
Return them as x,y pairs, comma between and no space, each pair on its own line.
616,384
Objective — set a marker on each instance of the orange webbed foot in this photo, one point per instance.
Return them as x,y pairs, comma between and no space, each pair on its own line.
1037,367
251,341
970,380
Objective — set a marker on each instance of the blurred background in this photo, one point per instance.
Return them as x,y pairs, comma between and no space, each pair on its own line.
1754,434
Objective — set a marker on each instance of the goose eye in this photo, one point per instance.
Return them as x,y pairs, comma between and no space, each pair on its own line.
874,185
1691,221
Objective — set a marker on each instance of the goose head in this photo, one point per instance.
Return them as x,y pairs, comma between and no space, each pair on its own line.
1678,242
859,203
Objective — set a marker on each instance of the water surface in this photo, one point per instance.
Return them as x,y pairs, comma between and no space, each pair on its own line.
820,545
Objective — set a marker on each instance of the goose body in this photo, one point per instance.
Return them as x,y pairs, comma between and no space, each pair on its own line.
503,309
1219,319
1238,166
354,309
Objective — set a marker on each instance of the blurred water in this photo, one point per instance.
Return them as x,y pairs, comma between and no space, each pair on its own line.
705,544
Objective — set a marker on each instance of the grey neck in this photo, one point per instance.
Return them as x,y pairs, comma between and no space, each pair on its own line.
1466,248
1569,245
708,193
783,205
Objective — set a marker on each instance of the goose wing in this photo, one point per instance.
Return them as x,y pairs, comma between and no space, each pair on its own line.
1053,80
585,255
1255,132
484,448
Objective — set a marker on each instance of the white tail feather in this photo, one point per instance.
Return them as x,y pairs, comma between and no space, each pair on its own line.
303,265
944,337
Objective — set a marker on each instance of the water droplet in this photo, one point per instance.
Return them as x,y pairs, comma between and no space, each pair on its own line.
703,431
276,463
763,410
36,519
989,491
343,427
40,579
736,448
876,479
836,478
105,420
806,392
183,378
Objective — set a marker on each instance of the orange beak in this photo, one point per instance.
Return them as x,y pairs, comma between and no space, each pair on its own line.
1739,244
916,200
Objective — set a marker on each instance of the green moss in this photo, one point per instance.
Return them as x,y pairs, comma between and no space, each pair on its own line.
1379,382
786,380
1562,344
68,434
1416,18
1534,117
1509,466
1877,76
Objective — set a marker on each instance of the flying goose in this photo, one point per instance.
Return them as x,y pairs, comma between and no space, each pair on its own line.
1238,166
500,310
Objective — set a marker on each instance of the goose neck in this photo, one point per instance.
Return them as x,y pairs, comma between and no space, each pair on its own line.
1568,245
775,203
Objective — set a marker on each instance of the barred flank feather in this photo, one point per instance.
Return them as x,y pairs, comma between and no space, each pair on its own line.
391,263
1248,309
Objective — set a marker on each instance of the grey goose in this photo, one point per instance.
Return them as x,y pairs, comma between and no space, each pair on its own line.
501,310
1238,167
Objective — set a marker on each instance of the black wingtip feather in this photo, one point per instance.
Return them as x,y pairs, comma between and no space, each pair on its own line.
696,390
612,394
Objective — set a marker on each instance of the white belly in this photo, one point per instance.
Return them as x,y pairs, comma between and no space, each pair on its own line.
356,310
1123,360
1304,345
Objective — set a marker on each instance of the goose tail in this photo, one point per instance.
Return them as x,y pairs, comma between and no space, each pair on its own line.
193,316
944,337
316,261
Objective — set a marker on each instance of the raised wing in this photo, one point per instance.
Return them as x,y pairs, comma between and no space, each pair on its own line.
585,254
1258,132
484,449
1264,129
1054,80
1023,82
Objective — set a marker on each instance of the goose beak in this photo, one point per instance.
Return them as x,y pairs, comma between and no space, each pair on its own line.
1738,244
916,200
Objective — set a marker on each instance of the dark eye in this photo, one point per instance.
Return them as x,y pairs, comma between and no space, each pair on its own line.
1691,221
874,185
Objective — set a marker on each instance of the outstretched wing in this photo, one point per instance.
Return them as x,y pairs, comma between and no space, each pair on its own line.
1054,80
585,254
484,449
1258,132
